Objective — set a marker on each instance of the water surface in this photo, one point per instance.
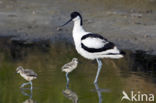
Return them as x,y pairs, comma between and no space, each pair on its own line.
136,71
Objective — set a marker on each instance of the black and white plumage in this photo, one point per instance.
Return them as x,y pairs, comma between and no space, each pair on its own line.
92,46
95,43
27,74
96,46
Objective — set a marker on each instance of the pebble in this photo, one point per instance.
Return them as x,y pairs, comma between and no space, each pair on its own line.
136,15
59,29
33,12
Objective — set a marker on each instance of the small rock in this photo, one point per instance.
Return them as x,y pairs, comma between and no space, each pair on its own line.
136,15
147,36
33,12
135,38
29,27
59,29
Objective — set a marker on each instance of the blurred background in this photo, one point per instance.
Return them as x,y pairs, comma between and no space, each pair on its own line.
28,37
128,23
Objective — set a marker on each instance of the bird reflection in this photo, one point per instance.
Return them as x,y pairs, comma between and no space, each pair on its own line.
27,92
29,101
68,93
99,91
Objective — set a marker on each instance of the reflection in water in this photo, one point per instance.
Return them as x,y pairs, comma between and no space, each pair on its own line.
99,91
29,100
118,76
68,93
23,91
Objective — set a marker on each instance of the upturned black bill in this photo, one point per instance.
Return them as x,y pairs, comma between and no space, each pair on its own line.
66,23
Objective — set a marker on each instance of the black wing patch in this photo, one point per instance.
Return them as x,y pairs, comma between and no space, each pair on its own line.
33,75
107,46
93,36
30,73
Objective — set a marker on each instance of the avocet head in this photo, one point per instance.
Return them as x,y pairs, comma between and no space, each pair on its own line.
75,60
19,69
74,17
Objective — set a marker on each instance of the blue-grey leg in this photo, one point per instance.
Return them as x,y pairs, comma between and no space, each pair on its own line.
98,71
67,78
31,93
24,84
31,85
98,92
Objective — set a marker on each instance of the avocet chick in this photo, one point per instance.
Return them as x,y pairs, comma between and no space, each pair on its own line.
27,74
69,67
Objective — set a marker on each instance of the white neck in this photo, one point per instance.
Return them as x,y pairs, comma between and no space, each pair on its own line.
77,27
78,32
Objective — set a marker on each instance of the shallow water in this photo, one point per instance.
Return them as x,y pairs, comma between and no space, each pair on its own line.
136,71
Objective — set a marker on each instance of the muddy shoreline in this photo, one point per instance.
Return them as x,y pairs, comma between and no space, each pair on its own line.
130,25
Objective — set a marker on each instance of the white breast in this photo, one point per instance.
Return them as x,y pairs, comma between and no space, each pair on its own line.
78,32
28,78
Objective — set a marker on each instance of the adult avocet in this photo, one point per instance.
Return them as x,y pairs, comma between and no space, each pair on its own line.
92,46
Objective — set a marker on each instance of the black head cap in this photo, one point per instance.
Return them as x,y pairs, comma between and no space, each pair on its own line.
75,14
